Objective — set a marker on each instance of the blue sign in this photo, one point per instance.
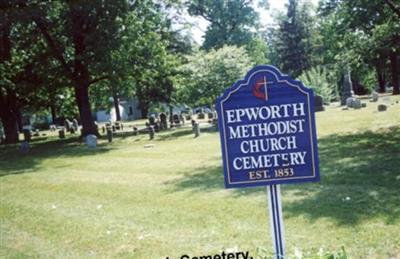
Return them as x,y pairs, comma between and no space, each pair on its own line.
267,129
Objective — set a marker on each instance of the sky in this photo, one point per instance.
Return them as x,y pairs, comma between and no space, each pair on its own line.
200,24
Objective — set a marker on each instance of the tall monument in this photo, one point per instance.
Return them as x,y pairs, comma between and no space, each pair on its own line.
347,89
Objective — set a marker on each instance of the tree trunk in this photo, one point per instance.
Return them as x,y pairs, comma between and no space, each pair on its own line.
171,115
116,106
53,113
10,129
381,79
8,98
18,115
81,77
8,116
85,112
144,108
395,75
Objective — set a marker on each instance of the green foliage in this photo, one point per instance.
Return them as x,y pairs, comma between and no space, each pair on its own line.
293,41
231,21
145,64
257,51
208,74
319,79
361,34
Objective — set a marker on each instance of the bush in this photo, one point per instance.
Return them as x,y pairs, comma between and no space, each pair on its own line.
318,79
40,125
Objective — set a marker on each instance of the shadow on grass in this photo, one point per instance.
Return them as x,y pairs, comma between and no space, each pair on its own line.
170,135
201,179
166,135
12,161
360,179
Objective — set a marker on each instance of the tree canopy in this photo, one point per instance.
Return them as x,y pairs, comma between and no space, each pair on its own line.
207,74
69,58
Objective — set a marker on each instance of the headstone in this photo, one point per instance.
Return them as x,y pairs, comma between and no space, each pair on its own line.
318,103
382,107
196,129
135,131
151,132
182,118
53,127
152,119
75,124
200,116
350,102
374,96
27,134
347,90
109,134
67,124
163,121
176,120
91,141
188,117
61,133
36,133
24,146
357,104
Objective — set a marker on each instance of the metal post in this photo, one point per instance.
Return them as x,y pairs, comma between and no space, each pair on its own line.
275,214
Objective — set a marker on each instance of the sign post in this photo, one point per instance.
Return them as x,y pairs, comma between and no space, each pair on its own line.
275,213
268,137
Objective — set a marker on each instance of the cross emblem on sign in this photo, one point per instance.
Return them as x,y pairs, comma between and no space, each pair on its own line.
258,88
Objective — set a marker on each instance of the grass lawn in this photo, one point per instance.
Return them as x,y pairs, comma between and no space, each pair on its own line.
125,200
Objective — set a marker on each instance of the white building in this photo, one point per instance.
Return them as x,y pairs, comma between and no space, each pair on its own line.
129,110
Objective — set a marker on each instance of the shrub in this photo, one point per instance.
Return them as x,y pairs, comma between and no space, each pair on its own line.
318,79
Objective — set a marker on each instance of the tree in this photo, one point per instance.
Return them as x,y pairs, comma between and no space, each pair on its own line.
20,52
293,45
207,75
231,21
368,34
144,66
8,98
257,50
81,36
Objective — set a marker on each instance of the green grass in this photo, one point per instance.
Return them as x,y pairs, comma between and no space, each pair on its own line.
126,200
